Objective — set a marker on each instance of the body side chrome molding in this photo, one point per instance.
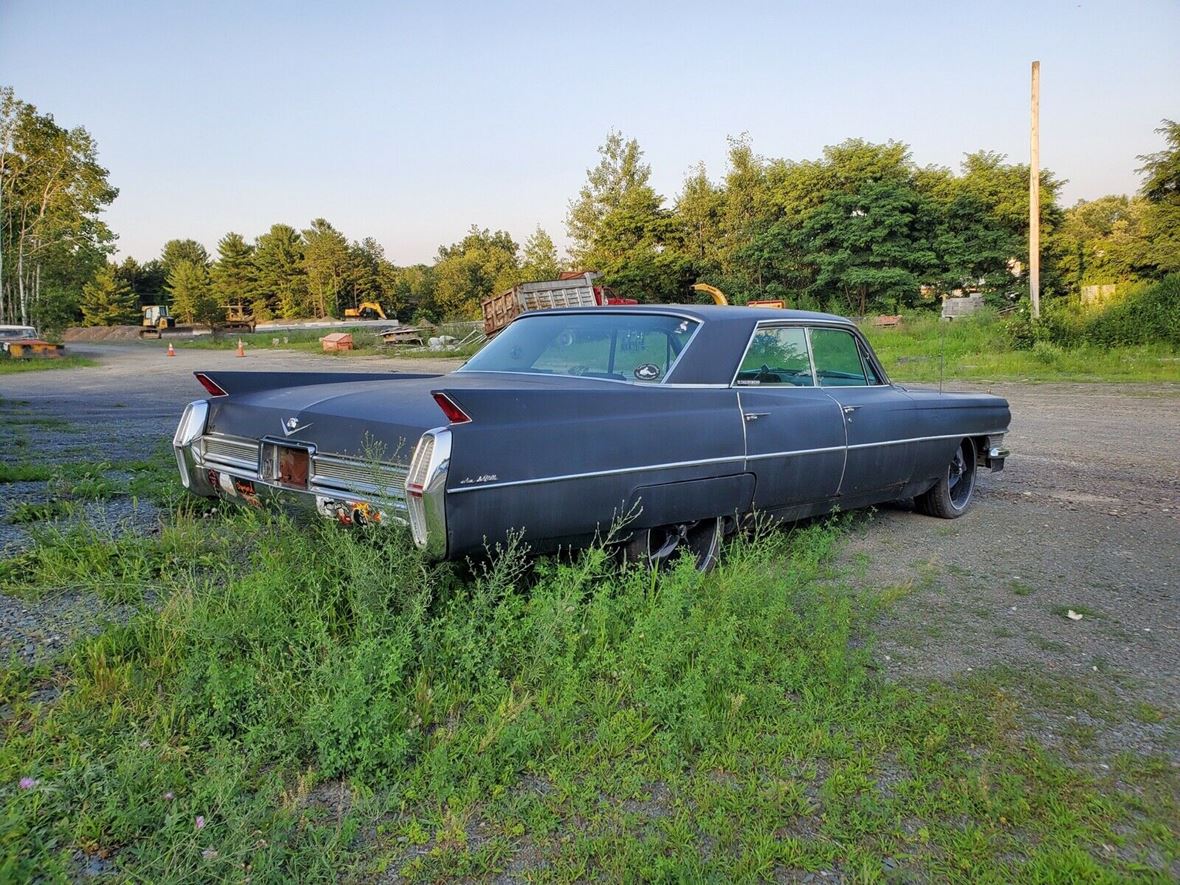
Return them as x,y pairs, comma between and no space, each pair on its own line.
703,461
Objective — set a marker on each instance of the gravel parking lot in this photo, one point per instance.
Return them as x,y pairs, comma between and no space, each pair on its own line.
1086,518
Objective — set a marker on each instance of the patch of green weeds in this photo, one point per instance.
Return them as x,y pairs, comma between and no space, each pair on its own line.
1085,611
156,479
13,367
116,564
45,422
307,703
30,512
84,482
23,471
1020,588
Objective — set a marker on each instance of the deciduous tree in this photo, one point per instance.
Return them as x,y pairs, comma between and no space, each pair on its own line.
480,264
52,193
1161,189
540,257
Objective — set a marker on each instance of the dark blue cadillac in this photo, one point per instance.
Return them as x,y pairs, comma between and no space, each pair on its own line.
682,419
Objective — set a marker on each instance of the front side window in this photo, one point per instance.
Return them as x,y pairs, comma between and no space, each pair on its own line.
616,346
837,359
777,356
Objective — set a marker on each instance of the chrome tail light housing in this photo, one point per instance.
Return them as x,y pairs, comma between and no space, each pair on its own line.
188,432
426,489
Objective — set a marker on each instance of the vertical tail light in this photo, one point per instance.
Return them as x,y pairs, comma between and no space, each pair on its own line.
420,466
210,385
450,408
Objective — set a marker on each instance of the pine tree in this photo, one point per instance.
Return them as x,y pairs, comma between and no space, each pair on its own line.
192,294
107,300
282,280
234,277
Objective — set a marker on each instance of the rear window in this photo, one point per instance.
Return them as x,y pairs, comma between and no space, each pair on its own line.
614,346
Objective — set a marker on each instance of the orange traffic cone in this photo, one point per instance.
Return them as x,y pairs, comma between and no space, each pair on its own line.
241,348
171,349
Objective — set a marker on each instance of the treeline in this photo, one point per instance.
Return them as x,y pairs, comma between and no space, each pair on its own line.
861,229
315,272
864,228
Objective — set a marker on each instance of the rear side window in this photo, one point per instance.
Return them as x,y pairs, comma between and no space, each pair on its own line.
837,359
777,356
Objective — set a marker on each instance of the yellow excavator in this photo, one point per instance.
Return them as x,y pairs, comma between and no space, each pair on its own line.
367,310
719,297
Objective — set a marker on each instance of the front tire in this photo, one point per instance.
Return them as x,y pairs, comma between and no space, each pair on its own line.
658,547
951,496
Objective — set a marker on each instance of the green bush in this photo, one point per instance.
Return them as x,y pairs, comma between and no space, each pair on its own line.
1148,314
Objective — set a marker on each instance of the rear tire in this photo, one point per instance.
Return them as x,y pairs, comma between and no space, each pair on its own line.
657,548
951,496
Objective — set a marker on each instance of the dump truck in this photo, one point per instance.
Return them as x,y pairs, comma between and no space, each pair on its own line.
572,290
156,321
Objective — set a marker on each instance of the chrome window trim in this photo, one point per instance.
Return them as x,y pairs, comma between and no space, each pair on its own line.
775,324
641,385
859,359
600,311
808,325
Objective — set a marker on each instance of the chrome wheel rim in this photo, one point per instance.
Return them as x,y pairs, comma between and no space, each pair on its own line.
700,539
961,477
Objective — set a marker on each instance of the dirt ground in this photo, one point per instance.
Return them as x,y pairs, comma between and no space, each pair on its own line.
1086,518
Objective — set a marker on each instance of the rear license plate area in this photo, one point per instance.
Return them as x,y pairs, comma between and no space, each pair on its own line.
285,465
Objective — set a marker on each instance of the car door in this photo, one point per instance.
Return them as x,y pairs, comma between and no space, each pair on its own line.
795,442
877,416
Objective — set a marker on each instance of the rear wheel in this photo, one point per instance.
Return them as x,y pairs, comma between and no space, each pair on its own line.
658,547
950,497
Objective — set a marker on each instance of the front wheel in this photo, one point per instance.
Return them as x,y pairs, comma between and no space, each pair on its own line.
950,497
658,547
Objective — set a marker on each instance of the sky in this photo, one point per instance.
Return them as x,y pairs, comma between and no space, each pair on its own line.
409,122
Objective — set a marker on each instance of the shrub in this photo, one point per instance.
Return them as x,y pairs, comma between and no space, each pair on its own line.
1148,314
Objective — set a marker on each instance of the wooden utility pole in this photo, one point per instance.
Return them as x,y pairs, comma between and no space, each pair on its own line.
1034,195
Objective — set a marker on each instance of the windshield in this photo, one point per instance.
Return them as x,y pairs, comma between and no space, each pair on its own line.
618,346
17,332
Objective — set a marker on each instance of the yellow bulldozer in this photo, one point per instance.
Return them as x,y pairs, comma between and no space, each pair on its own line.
366,310
156,321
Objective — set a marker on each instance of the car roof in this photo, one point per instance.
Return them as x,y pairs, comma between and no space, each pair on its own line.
708,313
716,348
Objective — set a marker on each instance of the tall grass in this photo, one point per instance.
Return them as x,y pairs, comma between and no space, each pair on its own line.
983,348
304,703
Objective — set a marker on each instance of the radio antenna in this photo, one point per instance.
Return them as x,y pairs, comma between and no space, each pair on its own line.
942,321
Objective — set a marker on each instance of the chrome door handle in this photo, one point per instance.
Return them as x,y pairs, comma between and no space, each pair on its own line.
754,416
848,410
